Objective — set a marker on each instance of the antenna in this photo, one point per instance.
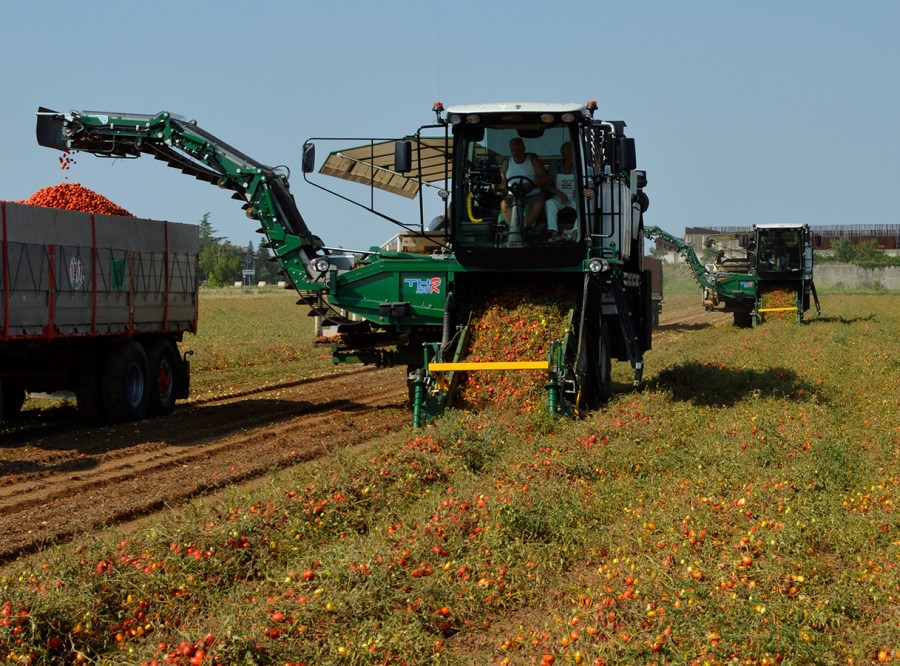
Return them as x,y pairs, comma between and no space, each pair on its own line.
437,45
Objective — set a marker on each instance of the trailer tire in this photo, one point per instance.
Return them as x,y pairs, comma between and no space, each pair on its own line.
162,379
11,400
89,385
125,383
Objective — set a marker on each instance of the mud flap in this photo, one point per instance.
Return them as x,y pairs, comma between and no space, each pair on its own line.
183,384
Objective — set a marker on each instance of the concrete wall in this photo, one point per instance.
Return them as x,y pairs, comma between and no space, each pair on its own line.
848,275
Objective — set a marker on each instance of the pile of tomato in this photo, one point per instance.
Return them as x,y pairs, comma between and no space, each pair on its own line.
74,196
779,298
516,322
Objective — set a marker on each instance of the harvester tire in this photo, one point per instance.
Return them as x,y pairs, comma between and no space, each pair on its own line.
411,385
743,319
162,379
125,383
593,366
604,364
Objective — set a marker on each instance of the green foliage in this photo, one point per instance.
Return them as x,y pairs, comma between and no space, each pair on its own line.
741,509
868,255
865,253
266,269
220,262
221,265
842,249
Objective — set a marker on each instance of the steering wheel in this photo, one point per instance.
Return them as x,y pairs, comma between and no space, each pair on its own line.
519,185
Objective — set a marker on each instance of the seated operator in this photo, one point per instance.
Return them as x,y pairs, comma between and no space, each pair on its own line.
562,190
779,253
521,163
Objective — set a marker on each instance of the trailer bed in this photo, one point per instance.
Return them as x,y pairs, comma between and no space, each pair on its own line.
73,274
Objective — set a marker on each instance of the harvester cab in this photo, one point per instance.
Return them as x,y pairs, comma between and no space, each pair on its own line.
780,250
492,226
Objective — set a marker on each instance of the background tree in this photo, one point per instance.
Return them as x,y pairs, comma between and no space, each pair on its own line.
867,251
220,263
842,249
266,269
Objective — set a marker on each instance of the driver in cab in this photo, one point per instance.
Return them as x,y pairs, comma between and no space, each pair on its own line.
523,171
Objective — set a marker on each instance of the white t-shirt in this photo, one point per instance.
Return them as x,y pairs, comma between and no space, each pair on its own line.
565,183
526,168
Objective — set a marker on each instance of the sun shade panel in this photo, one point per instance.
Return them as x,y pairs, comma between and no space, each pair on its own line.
373,164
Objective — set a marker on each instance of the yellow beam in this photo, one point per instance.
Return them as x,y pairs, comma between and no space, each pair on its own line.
489,365
776,309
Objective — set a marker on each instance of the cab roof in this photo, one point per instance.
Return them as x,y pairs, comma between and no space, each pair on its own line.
780,225
520,107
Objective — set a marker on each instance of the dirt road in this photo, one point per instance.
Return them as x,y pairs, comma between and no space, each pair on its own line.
60,479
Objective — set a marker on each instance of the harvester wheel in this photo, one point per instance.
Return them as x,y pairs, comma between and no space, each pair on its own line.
162,378
593,366
411,384
604,364
125,383
743,319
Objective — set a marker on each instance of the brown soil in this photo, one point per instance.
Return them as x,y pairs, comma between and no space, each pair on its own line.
60,479
690,315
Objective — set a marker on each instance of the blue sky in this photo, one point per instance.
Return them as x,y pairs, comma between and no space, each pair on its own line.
742,112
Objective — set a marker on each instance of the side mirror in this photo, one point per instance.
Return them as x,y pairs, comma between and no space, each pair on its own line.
403,156
627,159
308,159
817,240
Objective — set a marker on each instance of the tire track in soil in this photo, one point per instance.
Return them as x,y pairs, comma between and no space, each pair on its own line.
19,432
71,483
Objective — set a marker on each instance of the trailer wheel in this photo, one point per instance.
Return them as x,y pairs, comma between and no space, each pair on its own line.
125,383
11,400
89,386
162,378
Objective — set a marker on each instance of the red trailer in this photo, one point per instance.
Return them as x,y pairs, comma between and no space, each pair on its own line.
97,305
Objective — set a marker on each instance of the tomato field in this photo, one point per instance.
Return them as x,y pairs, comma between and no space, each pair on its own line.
741,509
